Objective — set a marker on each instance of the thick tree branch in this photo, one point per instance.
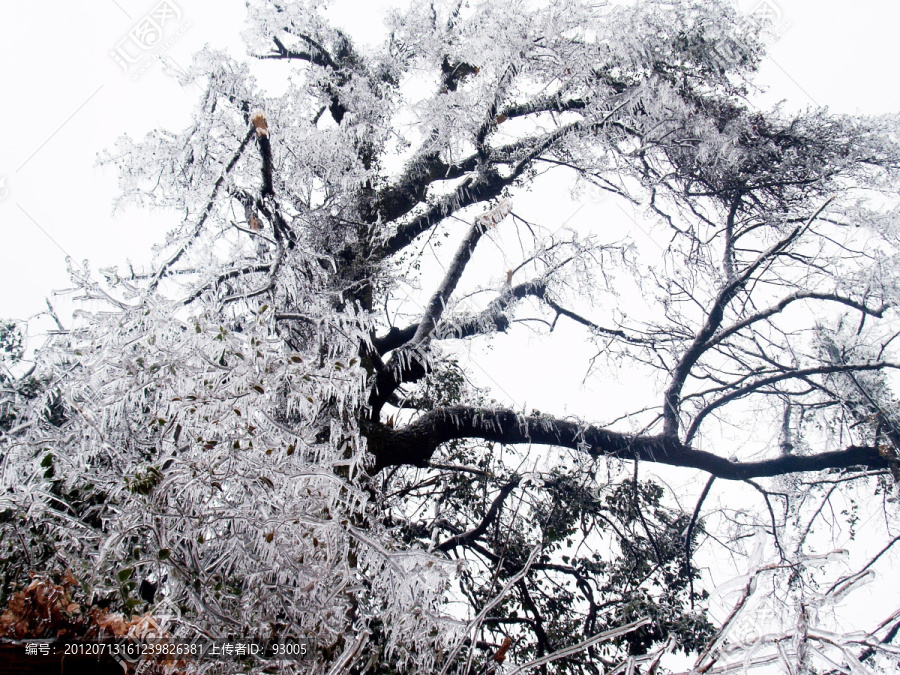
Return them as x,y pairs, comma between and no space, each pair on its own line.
438,301
415,443
408,367
453,73
265,152
394,339
319,56
472,191
410,189
494,317
340,63
485,186
225,276
543,104
472,535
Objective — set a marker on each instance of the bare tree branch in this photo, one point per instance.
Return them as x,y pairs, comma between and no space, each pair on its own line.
416,442
714,318
800,373
165,267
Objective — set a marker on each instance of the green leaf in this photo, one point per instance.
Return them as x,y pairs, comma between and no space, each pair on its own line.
125,574
164,554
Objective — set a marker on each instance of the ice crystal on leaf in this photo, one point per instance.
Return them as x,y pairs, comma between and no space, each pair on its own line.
272,423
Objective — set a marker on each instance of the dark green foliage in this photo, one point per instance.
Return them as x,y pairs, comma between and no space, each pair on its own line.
611,554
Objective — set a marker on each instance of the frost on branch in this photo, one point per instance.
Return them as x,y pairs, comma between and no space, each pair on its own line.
274,425
202,449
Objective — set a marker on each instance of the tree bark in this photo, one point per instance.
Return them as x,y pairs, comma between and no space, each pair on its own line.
415,443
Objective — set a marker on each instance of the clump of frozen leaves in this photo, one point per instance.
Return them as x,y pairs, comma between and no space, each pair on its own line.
198,449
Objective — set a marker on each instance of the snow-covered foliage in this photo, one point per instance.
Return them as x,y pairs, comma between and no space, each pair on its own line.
261,426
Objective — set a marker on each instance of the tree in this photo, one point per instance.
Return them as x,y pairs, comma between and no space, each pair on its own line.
263,427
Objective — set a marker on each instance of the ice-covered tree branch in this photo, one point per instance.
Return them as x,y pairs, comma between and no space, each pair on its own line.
416,442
